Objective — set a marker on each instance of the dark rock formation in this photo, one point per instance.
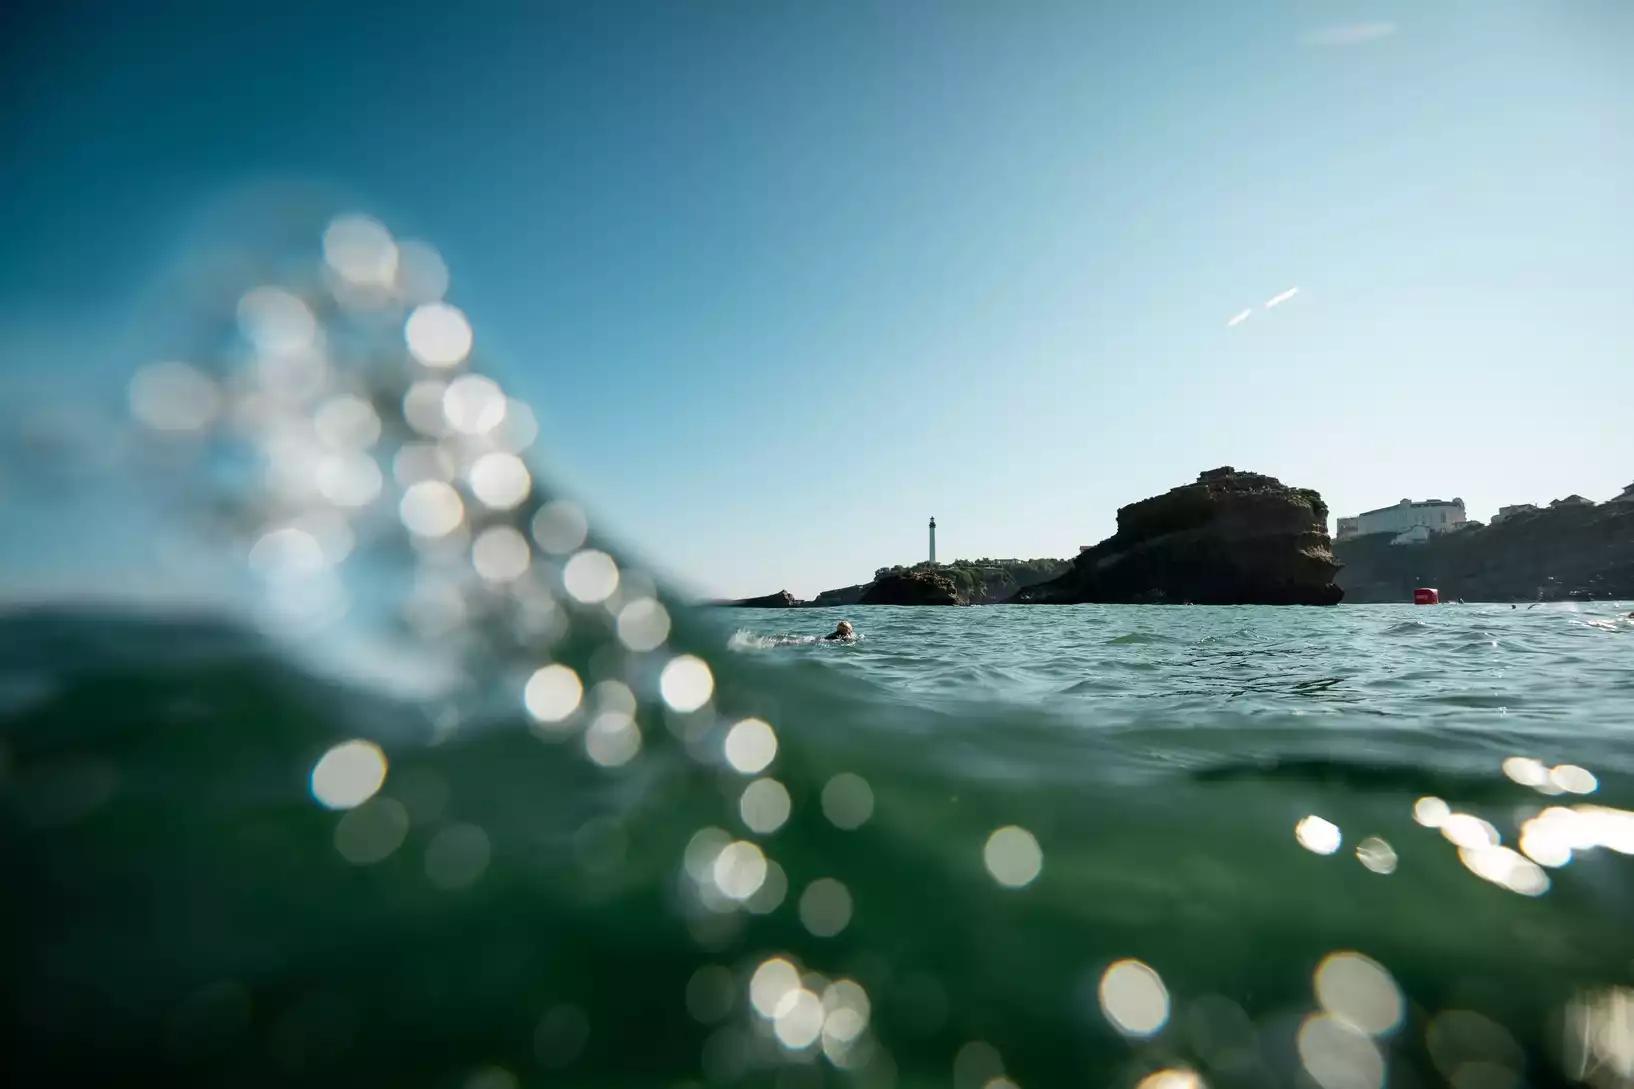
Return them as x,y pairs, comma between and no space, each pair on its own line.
987,581
845,595
1567,550
1232,538
780,600
916,586
975,582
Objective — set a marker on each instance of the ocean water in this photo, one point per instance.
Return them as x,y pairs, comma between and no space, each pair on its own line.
449,791
1045,845
1502,669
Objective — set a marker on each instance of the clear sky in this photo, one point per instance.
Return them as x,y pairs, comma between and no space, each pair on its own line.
783,280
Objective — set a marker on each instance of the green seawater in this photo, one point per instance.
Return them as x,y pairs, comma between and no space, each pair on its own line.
505,910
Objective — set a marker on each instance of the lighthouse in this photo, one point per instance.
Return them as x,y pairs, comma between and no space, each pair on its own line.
933,538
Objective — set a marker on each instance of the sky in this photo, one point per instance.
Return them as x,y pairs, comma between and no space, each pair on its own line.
782,281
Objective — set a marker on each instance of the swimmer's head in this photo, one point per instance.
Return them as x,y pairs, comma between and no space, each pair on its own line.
844,628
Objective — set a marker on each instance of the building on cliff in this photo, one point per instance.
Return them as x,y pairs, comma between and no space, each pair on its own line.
1411,521
1506,513
1627,496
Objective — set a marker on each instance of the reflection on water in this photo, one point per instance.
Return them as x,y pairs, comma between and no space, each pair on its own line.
584,835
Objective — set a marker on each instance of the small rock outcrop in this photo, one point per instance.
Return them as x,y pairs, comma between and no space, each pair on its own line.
912,587
780,600
844,595
1230,538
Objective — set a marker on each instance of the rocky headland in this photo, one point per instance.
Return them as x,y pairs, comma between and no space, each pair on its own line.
960,582
780,600
1230,538
845,595
915,586
1570,550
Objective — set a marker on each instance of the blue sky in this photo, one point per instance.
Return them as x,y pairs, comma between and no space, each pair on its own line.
784,280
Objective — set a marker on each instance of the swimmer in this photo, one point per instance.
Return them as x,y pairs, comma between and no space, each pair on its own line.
844,633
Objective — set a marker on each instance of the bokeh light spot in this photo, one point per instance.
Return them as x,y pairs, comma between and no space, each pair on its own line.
825,907
612,740
1133,998
438,335
501,554
772,980
1358,990
1013,857
1526,771
1430,811
349,479
500,481
686,683
348,774
976,1065
750,746
1377,855
1467,830
560,527
371,832
422,277
1506,868
764,806
643,624
739,870
798,1019
431,508
474,404
347,422
552,693
590,576
1339,1056
848,801
1573,779
423,407
1318,835
361,250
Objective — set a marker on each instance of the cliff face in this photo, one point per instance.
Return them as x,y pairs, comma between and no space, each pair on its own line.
1231,538
1561,552
912,587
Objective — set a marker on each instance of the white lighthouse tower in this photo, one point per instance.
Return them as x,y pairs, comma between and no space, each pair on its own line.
933,538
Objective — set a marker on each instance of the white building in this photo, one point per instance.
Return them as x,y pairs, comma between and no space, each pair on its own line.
1410,521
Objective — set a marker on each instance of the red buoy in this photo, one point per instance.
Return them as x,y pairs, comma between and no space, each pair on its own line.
1426,595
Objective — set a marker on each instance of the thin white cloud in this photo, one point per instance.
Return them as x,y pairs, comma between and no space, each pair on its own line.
1240,318
1344,34
1279,299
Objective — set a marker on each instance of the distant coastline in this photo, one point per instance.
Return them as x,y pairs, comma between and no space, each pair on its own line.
958,582
1235,537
